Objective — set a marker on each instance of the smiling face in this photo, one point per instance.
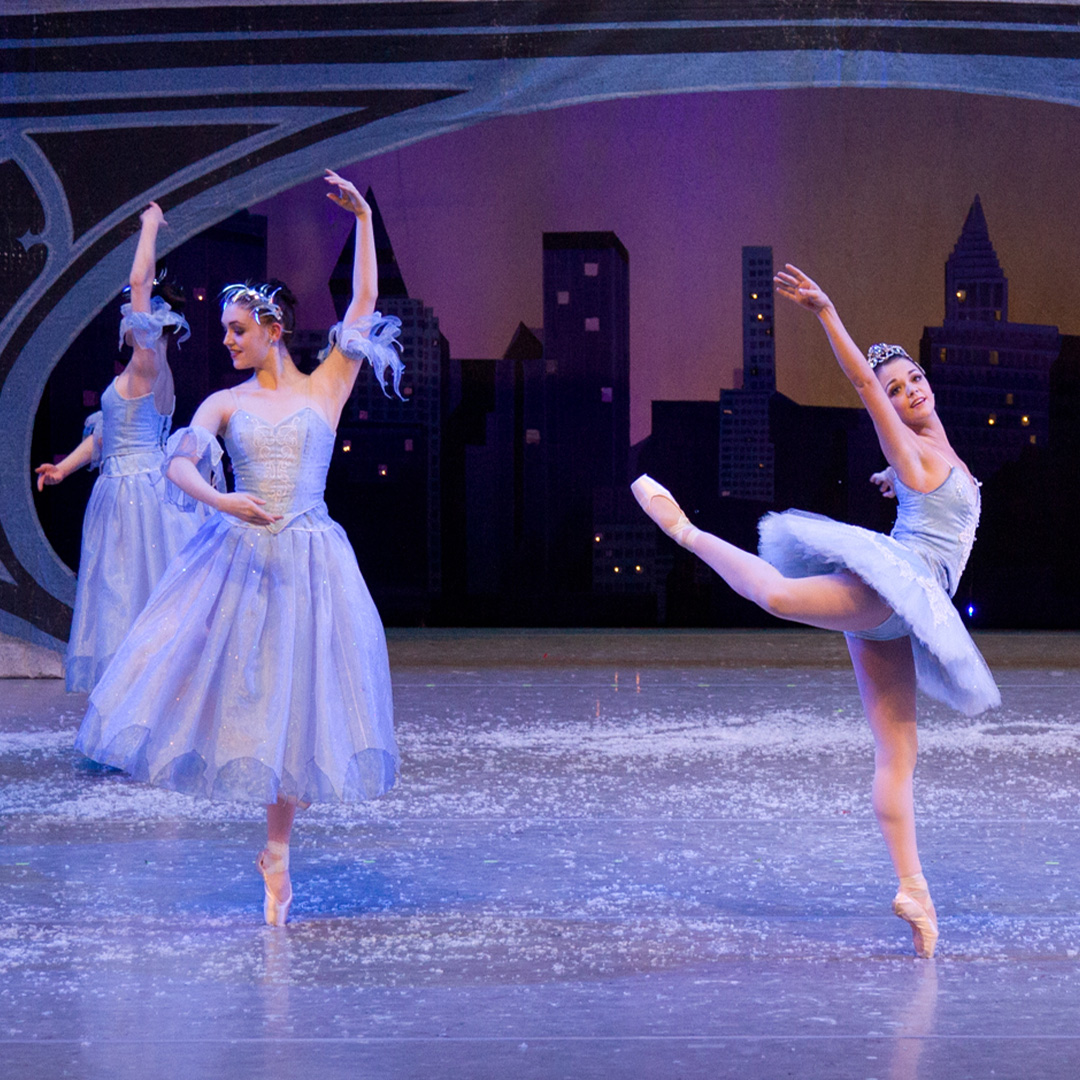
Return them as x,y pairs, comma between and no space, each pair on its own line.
249,342
907,388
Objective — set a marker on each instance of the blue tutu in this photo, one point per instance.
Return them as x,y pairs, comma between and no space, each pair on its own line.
258,668
915,570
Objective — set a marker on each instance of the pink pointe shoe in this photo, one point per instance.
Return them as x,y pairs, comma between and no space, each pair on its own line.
660,505
272,860
913,904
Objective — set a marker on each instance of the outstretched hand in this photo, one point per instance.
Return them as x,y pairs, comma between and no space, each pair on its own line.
346,196
884,481
792,283
153,215
48,474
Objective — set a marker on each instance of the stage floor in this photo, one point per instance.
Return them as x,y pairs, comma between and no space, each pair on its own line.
635,856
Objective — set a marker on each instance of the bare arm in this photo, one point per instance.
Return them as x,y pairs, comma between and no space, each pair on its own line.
145,366
54,474
898,443
212,416
337,373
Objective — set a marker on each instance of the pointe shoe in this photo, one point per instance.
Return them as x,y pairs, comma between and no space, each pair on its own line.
660,505
274,859
914,906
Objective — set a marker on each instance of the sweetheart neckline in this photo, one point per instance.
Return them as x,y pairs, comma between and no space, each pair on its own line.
278,423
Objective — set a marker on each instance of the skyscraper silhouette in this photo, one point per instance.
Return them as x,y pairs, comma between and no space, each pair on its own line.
389,469
991,377
746,451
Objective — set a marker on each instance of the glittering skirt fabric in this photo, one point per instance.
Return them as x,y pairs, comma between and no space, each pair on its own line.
129,536
258,669
948,665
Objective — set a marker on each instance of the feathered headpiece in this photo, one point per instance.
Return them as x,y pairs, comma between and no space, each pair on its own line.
258,299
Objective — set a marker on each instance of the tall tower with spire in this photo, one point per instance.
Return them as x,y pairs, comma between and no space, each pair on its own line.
991,377
391,450
976,288
747,455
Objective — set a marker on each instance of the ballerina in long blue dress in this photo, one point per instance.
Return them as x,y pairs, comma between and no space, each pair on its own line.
891,595
258,670
130,533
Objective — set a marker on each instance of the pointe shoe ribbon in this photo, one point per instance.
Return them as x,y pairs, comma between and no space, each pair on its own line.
660,505
274,859
922,919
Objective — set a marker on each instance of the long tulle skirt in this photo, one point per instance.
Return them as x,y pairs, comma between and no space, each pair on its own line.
258,669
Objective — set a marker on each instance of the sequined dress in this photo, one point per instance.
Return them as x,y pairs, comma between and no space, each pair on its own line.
259,666
915,569
129,535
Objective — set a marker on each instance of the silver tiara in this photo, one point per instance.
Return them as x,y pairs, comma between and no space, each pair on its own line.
258,299
881,354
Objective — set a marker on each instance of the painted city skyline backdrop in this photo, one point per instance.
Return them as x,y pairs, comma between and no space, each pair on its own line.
866,190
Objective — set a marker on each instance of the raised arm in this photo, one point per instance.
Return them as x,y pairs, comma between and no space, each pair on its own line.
899,444
337,373
145,366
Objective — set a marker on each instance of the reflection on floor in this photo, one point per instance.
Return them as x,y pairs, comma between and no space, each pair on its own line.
633,857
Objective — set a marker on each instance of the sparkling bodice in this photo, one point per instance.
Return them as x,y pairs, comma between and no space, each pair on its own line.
940,524
133,432
284,463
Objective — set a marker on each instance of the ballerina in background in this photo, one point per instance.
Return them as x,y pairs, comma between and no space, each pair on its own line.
130,533
258,670
891,595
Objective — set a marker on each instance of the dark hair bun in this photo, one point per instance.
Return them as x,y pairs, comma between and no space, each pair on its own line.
286,300
172,294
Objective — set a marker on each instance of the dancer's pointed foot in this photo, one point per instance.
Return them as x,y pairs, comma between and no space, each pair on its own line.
660,505
913,904
273,864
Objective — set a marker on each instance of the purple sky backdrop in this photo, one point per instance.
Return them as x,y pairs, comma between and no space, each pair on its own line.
866,190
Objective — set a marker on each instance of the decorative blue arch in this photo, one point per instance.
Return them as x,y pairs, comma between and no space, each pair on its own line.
211,108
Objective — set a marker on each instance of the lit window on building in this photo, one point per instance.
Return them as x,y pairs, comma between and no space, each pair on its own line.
1025,421
753,296
961,295
592,325
994,357
1031,439
383,470
605,395
598,537
592,269
761,318
562,297
616,569
200,294
406,391
1008,399
992,419
408,446
346,446
532,436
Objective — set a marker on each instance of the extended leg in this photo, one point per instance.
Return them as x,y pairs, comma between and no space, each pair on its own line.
885,673
839,601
